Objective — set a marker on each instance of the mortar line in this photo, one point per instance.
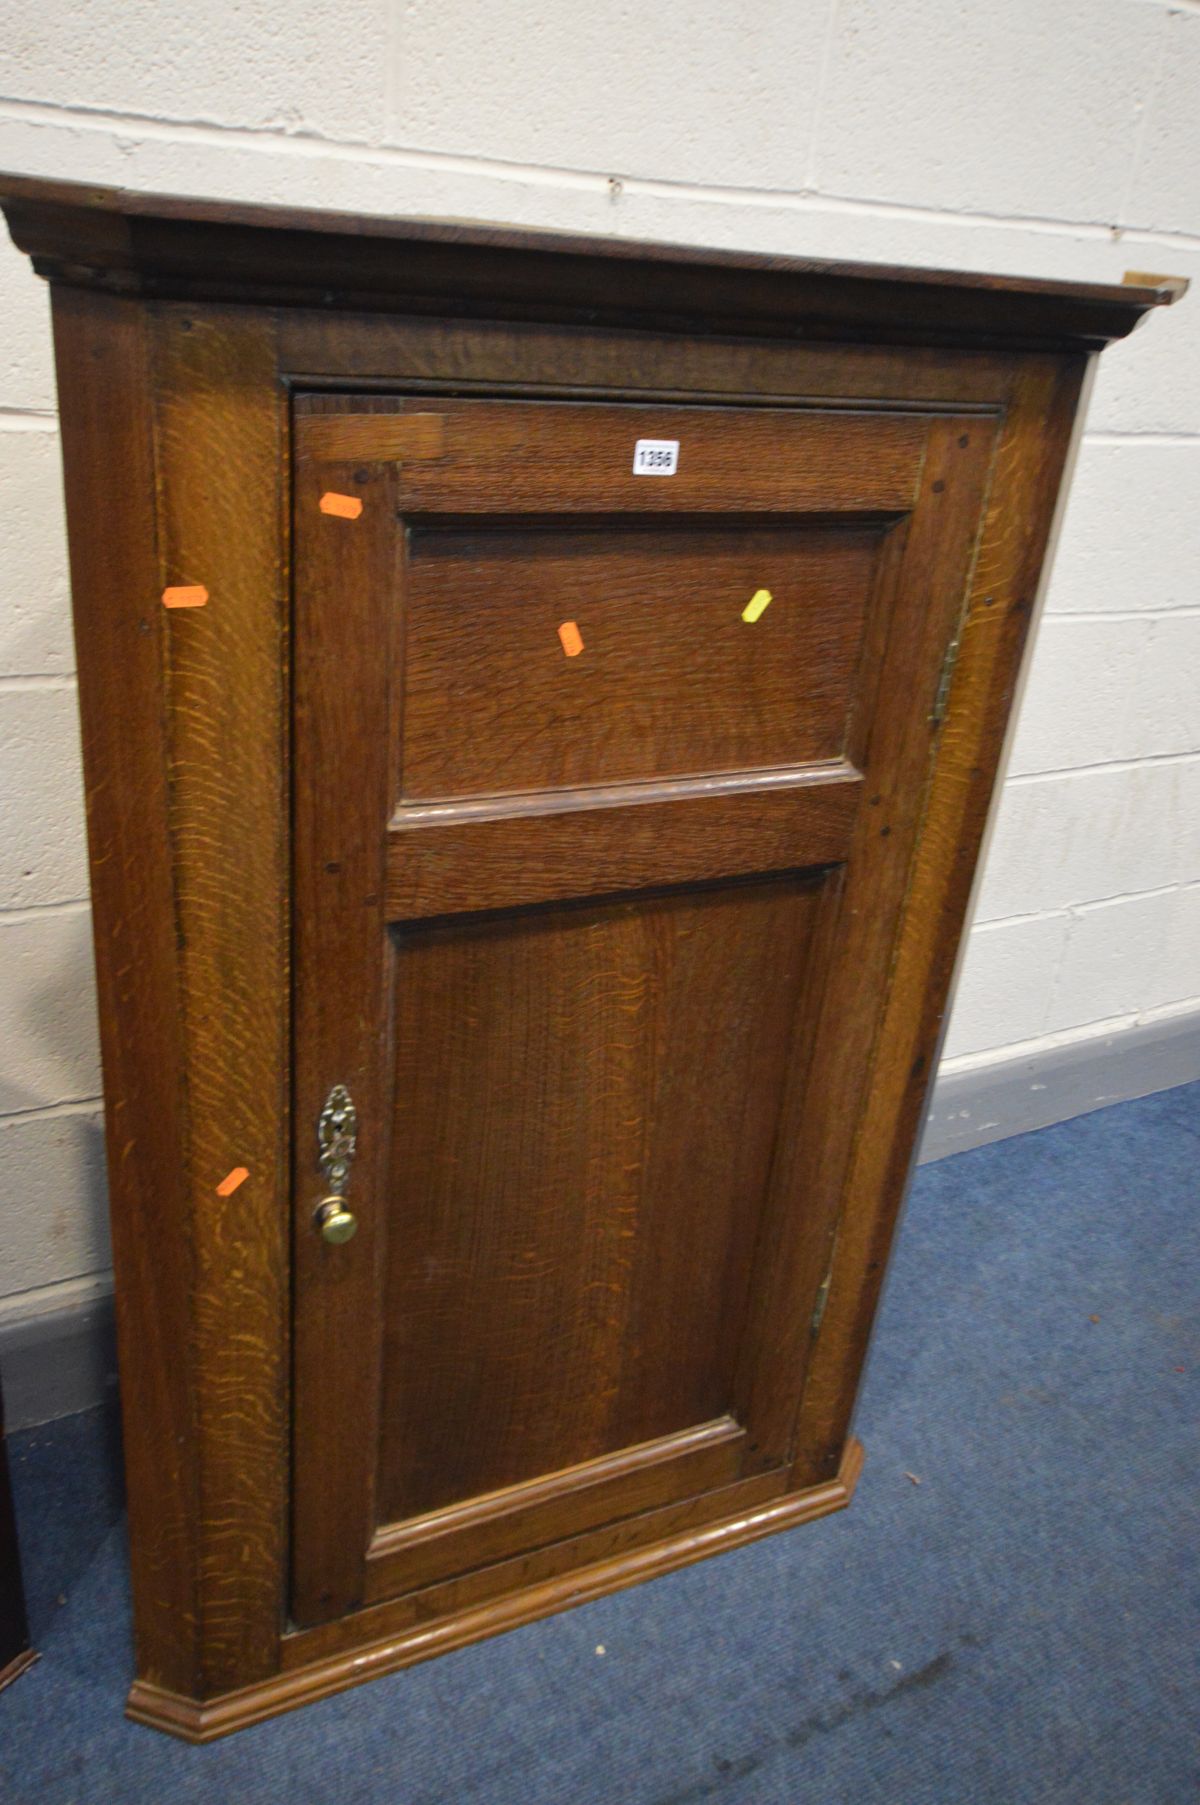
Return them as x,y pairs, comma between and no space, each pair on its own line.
310,144
1139,134
810,164
51,1112
1112,766
16,683
22,916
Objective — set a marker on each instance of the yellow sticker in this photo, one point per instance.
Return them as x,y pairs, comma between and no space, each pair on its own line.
756,605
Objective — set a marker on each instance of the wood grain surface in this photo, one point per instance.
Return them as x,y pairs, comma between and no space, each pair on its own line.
1031,454
670,681
221,453
104,359
589,842
567,459
577,1200
169,245
318,1663
580,1238
345,650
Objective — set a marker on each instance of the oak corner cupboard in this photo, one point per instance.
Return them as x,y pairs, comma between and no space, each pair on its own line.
541,699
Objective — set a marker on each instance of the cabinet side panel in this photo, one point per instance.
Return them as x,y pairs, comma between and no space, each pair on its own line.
104,402
220,434
1030,460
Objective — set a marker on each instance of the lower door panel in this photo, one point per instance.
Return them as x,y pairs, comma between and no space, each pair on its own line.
585,1106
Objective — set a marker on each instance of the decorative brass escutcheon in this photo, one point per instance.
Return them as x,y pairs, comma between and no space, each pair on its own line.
337,1140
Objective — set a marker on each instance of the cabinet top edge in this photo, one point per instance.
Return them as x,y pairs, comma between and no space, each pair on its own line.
163,247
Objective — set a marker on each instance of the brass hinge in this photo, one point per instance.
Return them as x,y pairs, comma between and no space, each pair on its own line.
938,712
822,1300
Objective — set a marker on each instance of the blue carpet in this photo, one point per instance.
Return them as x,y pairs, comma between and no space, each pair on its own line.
1019,1626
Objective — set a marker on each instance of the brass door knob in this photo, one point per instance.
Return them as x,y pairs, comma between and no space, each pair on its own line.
335,1221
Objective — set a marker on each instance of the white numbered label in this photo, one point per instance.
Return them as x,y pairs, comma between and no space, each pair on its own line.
656,457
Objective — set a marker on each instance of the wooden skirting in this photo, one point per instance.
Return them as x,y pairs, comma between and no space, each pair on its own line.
17,1666
196,1722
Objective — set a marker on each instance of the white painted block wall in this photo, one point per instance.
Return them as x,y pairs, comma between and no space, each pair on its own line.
1045,139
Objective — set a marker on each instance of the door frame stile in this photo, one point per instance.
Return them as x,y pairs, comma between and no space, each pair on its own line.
1039,421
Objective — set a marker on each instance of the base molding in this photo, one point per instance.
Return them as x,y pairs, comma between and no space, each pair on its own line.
196,1721
19,1664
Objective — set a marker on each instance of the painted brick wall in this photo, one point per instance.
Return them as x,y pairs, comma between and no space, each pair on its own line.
1012,135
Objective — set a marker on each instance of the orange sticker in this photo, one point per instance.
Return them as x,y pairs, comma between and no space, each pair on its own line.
572,639
346,507
229,1185
188,595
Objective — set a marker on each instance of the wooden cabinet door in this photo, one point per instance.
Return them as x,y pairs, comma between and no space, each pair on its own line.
600,856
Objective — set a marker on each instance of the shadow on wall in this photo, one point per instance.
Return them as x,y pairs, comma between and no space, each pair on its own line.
48,1028
55,1249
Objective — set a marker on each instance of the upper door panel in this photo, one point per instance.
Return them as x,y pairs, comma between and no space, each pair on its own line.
548,656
